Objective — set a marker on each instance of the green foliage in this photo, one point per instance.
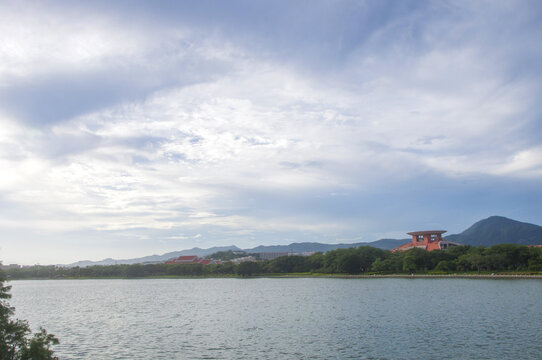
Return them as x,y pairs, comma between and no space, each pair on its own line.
352,260
349,263
507,256
186,269
315,262
15,340
445,266
223,269
227,255
416,260
393,264
248,268
40,346
364,259
288,264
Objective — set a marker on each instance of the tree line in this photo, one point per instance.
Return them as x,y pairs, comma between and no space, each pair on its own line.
361,260
16,339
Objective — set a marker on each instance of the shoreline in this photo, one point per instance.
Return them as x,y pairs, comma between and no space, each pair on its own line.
422,276
315,276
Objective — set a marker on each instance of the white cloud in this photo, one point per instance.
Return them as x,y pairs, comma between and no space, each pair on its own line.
38,41
526,163
167,161
220,122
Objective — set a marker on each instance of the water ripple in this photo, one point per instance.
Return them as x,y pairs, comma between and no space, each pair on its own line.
287,318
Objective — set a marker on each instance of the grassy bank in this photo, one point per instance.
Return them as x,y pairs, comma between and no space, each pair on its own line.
508,275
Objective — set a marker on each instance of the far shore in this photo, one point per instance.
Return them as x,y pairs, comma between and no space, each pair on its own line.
418,276
303,275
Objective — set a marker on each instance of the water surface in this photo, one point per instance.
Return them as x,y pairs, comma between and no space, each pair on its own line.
312,318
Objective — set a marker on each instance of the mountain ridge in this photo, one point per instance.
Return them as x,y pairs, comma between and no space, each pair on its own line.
496,230
156,258
386,244
486,232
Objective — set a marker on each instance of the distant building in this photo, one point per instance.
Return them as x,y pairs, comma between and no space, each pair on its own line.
189,259
271,255
428,240
10,266
243,259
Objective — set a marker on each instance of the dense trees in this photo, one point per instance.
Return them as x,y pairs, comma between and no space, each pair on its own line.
248,268
227,255
16,343
364,259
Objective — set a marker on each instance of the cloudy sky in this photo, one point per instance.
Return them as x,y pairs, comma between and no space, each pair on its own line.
131,128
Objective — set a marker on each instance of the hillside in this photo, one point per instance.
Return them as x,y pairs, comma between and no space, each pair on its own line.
499,230
385,244
491,231
156,258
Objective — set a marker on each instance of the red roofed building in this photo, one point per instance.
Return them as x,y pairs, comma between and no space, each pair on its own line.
188,259
428,240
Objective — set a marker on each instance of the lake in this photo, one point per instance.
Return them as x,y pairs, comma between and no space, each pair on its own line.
298,318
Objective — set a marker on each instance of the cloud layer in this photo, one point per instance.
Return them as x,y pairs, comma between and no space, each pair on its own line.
128,129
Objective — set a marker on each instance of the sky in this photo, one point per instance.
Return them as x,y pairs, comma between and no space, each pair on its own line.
131,128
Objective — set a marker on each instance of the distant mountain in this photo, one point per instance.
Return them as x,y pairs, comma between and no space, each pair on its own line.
499,230
385,244
491,231
296,247
388,244
156,258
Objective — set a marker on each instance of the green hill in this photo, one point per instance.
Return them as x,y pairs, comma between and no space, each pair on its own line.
499,230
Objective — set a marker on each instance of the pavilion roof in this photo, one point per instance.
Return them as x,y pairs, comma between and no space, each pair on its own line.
426,232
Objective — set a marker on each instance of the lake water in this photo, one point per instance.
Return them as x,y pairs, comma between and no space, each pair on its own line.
313,318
